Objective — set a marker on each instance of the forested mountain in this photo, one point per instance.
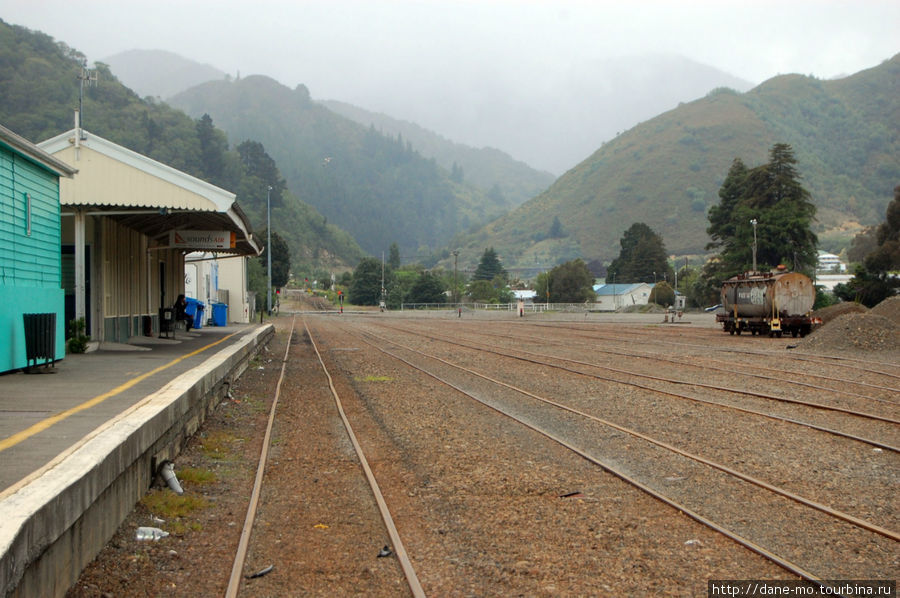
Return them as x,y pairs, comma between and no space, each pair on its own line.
376,187
550,116
157,73
490,169
666,172
39,90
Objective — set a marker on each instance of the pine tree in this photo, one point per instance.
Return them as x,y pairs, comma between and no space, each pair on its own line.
281,259
556,229
213,148
489,266
772,196
394,256
642,257
365,288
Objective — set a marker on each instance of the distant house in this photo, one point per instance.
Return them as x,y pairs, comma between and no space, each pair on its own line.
30,271
611,297
828,262
526,295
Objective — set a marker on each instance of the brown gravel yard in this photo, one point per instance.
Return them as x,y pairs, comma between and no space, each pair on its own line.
487,507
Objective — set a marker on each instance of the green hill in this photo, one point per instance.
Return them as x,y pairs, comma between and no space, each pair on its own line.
376,187
39,82
666,172
487,168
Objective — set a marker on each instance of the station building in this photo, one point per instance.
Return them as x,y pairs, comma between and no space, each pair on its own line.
127,224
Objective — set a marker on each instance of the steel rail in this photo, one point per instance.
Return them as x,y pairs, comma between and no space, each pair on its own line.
749,544
790,420
800,357
402,556
724,468
234,581
754,374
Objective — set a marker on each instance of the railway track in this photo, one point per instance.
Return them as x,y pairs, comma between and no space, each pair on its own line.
600,343
889,423
675,338
724,488
803,535
508,477
398,548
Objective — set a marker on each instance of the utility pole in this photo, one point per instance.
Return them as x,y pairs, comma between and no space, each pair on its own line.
753,222
455,281
269,247
90,77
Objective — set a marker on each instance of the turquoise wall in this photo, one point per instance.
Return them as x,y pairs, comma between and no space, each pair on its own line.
30,254
16,301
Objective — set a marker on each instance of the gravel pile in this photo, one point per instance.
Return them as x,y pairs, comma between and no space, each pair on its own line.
854,332
889,308
838,309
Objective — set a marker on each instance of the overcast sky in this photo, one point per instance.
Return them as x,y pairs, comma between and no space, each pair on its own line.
339,47
430,60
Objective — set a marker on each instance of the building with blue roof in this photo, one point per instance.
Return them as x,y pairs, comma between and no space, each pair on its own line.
614,296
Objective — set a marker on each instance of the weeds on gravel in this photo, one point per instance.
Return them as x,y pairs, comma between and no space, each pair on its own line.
171,507
217,445
376,379
196,475
256,405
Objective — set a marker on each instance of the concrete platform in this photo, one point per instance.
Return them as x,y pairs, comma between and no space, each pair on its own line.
80,446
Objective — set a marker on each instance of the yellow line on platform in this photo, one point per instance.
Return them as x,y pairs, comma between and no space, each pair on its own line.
42,425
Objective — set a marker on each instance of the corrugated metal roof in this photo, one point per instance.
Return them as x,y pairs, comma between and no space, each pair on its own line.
34,154
114,175
617,289
144,194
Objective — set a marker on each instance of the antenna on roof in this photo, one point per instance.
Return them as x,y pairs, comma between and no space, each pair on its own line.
90,77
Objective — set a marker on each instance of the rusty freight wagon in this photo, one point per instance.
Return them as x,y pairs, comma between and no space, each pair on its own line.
773,303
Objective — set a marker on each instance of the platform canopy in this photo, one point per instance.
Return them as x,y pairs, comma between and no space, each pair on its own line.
145,195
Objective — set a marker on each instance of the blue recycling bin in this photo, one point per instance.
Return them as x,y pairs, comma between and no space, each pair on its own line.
190,309
195,308
220,314
199,317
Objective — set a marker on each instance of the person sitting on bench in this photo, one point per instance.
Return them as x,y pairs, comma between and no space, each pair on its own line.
180,314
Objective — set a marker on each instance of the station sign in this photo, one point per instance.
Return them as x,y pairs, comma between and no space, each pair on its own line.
202,239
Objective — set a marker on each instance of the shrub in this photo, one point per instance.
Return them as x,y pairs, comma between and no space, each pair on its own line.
78,342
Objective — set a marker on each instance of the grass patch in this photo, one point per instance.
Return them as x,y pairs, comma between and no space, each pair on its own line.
255,405
195,475
217,445
168,505
179,527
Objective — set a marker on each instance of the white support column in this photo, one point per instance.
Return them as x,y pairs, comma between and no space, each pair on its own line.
79,265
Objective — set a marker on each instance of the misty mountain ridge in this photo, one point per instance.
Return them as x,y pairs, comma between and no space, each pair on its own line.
666,172
550,120
376,187
159,73
512,182
486,167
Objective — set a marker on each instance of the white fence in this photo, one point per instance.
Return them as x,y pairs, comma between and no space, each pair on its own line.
527,307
